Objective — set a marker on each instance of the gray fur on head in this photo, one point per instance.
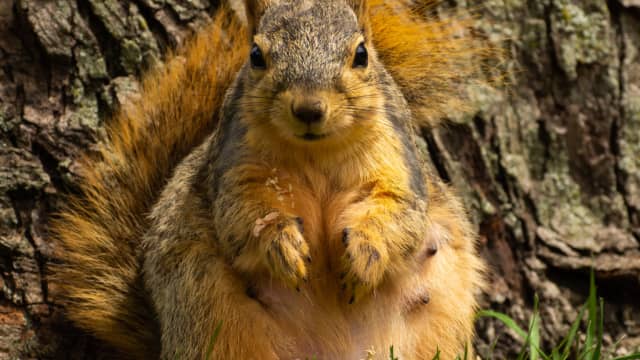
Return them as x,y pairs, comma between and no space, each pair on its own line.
309,41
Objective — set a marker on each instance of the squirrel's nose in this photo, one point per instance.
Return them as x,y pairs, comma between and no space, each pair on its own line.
309,111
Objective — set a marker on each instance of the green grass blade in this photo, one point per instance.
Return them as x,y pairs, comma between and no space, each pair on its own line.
600,330
591,348
534,332
573,331
466,351
525,336
505,319
593,320
586,353
391,354
216,333
465,354
533,338
437,355
493,347
523,352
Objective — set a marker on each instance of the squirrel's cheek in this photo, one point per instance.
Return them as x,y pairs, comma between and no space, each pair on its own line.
338,124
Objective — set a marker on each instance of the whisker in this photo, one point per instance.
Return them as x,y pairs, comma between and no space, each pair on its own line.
366,96
359,112
364,85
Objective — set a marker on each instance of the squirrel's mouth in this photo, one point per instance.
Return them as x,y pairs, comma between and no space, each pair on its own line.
312,137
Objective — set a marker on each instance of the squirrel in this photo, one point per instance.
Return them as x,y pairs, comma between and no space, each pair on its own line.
268,184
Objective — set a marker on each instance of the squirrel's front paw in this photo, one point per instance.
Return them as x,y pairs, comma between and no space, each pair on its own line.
287,252
365,261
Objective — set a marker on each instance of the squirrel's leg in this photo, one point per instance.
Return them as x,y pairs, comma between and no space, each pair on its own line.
256,225
194,291
452,277
381,235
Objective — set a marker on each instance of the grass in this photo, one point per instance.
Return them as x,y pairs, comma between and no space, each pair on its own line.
212,341
578,344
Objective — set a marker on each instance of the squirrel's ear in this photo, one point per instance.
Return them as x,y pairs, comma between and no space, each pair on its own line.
254,10
361,8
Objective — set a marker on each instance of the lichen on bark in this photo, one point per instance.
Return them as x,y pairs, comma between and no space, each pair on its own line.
548,164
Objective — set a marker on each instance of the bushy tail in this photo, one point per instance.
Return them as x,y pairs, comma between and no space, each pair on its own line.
99,230
433,58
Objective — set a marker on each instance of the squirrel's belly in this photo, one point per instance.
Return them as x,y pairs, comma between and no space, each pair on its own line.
323,325
318,321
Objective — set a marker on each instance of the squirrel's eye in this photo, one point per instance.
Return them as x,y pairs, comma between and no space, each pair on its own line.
257,60
361,59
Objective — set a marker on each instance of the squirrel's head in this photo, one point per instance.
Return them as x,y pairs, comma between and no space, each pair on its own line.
311,74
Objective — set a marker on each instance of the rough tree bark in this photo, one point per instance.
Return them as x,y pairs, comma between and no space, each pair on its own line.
549,166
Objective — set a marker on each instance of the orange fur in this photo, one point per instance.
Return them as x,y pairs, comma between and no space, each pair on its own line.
431,58
284,323
100,231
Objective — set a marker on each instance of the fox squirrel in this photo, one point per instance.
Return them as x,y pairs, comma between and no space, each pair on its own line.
268,182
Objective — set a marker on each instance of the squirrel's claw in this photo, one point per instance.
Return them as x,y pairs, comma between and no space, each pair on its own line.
365,263
353,291
288,254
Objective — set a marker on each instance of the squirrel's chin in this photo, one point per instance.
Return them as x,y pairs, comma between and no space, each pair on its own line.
312,136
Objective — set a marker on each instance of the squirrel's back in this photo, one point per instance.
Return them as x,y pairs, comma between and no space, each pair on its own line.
100,229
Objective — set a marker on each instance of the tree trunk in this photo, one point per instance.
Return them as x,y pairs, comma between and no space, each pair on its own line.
549,166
